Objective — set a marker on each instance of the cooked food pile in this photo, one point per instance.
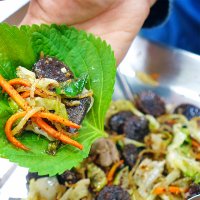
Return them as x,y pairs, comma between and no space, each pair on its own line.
49,101
151,153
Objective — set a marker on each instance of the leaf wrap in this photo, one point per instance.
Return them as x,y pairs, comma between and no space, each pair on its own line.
83,53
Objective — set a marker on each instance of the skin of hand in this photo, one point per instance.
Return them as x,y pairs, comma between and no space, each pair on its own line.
116,21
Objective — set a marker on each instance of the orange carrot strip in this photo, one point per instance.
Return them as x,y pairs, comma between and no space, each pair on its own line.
41,93
25,94
13,93
197,156
195,144
65,139
8,130
172,189
56,118
155,76
23,82
19,81
55,134
112,171
159,190
175,189
37,91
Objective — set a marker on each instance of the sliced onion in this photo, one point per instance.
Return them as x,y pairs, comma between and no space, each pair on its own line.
32,91
24,120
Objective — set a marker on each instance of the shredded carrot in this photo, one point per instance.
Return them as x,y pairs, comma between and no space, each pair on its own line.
52,132
155,76
172,189
37,91
197,156
195,144
13,93
8,130
41,93
25,94
19,81
159,190
55,134
112,171
7,87
175,189
57,118
171,122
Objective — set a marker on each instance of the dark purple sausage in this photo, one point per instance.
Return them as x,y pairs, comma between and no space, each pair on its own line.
77,113
52,68
68,176
130,154
136,128
113,193
188,110
150,103
116,122
193,190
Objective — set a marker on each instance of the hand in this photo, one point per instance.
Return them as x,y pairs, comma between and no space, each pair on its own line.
116,21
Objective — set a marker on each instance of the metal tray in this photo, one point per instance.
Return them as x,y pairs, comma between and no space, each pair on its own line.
178,70
178,83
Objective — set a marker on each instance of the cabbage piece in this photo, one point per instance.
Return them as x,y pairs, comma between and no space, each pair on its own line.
78,192
26,74
122,178
97,177
46,188
194,126
180,136
189,166
172,176
146,175
33,127
50,104
178,156
46,83
153,123
135,195
158,141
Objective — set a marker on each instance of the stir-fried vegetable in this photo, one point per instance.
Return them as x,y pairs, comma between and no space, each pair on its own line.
164,166
96,176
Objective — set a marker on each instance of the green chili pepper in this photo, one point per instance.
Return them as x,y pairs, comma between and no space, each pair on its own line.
72,87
